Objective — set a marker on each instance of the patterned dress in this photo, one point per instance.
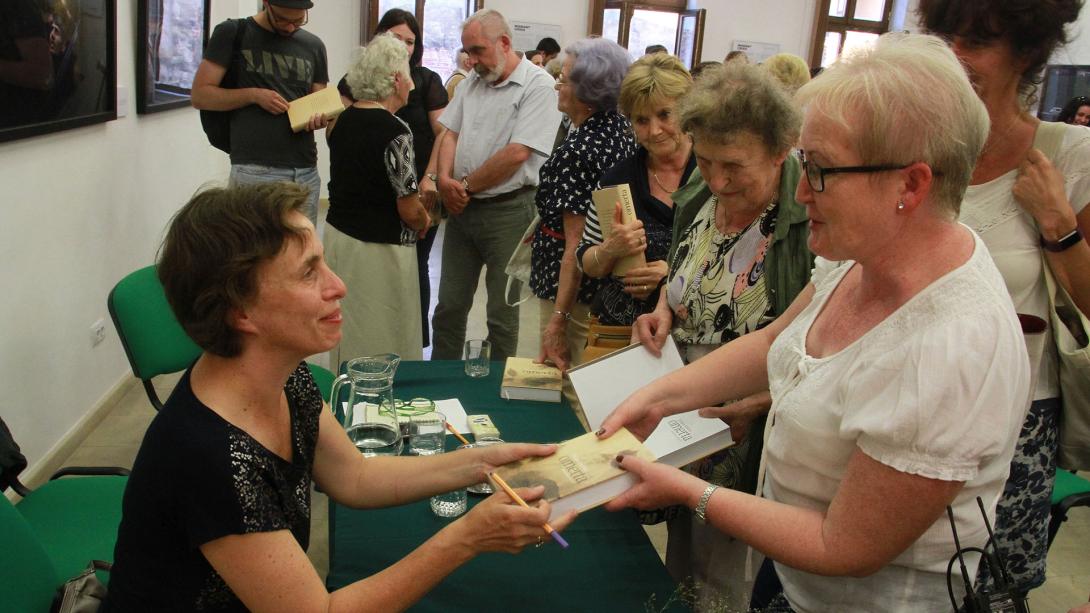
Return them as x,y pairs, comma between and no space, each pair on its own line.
567,180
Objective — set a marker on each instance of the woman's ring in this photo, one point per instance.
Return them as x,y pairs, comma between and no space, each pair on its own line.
540,541
643,288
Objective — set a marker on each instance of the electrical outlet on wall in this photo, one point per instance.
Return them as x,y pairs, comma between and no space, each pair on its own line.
98,332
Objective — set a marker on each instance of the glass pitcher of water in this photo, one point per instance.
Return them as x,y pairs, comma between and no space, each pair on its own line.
370,417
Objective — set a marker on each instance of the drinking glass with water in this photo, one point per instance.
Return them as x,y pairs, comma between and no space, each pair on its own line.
427,433
477,355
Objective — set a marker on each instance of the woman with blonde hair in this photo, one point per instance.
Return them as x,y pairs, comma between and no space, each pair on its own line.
663,162
789,69
898,376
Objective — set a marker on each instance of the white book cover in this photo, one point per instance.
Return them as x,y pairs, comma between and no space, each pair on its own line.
680,439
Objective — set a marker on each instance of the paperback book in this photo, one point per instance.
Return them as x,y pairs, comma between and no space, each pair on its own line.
523,379
605,203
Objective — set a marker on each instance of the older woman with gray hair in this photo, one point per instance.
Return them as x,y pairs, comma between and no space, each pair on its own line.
737,260
375,212
587,91
898,376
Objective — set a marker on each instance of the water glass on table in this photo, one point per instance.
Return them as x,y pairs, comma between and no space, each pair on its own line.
449,504
477,355
427,433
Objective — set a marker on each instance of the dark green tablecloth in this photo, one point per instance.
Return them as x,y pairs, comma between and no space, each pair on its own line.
611,566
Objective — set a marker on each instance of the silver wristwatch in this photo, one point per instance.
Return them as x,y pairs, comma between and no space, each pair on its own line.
701,509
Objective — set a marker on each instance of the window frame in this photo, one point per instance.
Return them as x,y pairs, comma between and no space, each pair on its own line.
628,9
825,23
369,15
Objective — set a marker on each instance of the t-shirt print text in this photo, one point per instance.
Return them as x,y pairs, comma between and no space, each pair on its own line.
278,65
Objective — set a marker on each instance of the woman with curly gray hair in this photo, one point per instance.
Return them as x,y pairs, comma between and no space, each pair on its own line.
737,260
587,91
375,212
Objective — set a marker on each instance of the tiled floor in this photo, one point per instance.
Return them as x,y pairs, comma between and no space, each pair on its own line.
117,437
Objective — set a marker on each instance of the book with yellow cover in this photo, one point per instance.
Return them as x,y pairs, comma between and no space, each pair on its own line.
581,474
326,101
525,380
605,203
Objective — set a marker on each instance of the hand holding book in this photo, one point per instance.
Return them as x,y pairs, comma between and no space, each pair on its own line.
660,485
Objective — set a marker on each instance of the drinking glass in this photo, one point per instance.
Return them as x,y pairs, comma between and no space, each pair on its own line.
477,354
427,433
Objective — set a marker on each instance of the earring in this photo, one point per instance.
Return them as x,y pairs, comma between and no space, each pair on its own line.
901,205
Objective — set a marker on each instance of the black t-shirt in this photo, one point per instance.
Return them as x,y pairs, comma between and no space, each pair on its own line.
370,167
288,65
428,95
198,478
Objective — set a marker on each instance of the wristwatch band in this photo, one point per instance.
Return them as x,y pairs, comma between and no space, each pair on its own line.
465,184
701,509
565,314
1065,243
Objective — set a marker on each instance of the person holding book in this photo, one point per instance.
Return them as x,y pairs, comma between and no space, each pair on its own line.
738,257
899,376
376,214
216,513
274,61
587,92
663,161
427,99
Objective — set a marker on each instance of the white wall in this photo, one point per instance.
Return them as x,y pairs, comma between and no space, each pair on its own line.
788,23
571,15
81,209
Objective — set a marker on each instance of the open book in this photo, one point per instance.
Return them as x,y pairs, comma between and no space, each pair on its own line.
680,439
605,203
326,101
576,475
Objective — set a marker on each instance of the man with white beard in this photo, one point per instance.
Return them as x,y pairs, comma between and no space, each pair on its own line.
500,130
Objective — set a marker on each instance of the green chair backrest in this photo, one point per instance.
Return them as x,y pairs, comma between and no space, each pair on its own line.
154,341
28,578
1067,484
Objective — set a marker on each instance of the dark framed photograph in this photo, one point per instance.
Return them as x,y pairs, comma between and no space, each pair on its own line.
170,36
58,65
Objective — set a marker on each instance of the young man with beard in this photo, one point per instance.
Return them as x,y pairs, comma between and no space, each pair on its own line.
275,61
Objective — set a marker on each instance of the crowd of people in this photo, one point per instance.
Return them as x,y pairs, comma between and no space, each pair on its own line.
843,262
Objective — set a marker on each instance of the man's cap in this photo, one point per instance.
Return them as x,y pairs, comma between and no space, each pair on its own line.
292,4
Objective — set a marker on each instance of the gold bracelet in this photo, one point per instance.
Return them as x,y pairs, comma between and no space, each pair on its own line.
596,261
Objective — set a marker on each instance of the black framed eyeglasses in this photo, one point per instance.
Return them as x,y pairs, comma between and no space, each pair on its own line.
277,19
815,175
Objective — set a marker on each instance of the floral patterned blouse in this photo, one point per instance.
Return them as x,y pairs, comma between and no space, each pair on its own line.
567,180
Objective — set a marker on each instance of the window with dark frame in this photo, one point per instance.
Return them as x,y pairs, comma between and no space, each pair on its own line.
441,25
637,25
844,25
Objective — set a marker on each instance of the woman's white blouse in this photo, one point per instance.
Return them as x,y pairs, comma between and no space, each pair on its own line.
1013,240
937,389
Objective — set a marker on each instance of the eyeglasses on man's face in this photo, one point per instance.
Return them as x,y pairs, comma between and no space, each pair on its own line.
815,175
284,21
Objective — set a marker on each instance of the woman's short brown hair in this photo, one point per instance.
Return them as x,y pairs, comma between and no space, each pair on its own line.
209,259
734,98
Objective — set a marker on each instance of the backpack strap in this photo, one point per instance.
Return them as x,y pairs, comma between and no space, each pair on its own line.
230,78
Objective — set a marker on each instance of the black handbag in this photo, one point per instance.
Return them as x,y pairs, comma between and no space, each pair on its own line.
217,124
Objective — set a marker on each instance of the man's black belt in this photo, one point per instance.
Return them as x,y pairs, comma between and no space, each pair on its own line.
511,195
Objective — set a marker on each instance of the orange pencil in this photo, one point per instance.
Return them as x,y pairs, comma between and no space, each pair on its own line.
457,434
510,492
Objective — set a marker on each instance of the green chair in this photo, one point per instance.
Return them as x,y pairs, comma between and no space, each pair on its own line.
28,578
1069,491
154,341
54,531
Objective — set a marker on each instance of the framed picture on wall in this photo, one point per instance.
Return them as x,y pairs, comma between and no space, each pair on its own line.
169,39
58,65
